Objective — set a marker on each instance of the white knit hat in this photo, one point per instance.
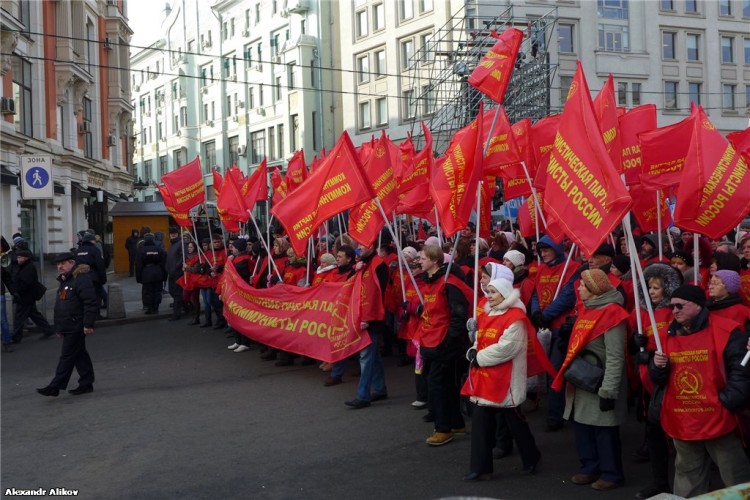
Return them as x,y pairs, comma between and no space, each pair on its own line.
515,257
503,286
410,253
497,271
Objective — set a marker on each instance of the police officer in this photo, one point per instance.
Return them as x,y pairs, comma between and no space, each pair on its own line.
76,309
150,272
88,253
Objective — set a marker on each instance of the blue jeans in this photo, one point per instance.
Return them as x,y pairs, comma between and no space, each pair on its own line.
4,321
337,371
600,451
372,378
206,296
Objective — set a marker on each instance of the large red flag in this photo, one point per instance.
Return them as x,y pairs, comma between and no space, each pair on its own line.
255,187
186,185
230,205
663,152
605,108
365,220
296,171
527,217
218,181
513,188
584,193
414,186
740,140
181,218
492,75
454,185
644,209
712,196
502,150
407,152
485,215
278,185
543,134
337,184
632,123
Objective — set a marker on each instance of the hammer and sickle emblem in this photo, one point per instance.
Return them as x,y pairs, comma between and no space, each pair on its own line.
689,384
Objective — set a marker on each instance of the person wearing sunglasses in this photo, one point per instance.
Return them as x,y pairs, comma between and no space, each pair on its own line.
704,384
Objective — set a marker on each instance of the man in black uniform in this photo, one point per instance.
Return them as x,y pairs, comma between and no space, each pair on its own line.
88,253
174,271
150,273
25,283
76,309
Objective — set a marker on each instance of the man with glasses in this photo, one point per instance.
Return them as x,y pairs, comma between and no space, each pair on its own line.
703,384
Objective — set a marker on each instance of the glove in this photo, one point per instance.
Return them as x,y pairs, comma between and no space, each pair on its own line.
538,320
606,404
471,325
471,354
567,328
274,280
642,357
404,313
641,340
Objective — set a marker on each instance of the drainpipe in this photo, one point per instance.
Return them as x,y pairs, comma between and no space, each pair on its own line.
222,92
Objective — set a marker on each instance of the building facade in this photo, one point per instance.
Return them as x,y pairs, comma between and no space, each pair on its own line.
66,95
234,82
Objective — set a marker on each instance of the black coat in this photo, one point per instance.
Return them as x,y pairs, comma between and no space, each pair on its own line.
76,304
150,261
24,284
456,340
87,254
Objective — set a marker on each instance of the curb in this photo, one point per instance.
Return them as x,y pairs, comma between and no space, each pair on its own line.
116,322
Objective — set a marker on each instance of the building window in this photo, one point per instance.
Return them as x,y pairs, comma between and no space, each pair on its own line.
147,171
429,101
565,37
88,138
694,92
261,100
691,6
666,5
364,115
670,95
314,120
746,13
746,43
257,14
209,155
378,17
426,46
425,6
565,83
622,94
727,94
294,132
258,142
747,95
635,94
613,38
612,9
363,69
727,49
163,165
725,7
271,144
381,111
409,104
406,8
280,139
274,6
22,95
278,88
179,158
361,23
668,45
407,53
693,41
380,66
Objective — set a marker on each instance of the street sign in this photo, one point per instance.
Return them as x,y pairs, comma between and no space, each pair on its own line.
36,177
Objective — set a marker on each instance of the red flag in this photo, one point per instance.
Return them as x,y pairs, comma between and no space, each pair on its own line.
513,188
296,171
583,193
740,140
218,181
712,196
181,218
644,209
492,74
632,123
255,187
502,150
278,185
605,108
663,152
485,211
337,184
527,217
414,186
454,185
421,233
543,135
365,220
230,205
407,151
186,185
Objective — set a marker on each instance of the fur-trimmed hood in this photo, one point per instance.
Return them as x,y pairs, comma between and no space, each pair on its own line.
670,277
513,300
80,269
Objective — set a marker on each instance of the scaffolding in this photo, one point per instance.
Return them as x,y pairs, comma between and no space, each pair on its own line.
436,80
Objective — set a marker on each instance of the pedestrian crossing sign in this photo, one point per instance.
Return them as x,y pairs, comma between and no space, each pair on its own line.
36,177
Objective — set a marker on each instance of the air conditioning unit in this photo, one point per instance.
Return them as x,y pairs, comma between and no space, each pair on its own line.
7,106
276,59
235,118
85,127
153,76
297,6
209,123
111,2
107,44
246,33
240,104
204,90
233,77
136,88
112,140
261,111
147,114
242,150
206,44
258,67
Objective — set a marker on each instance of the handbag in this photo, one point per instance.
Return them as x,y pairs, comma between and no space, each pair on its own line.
39,291
585,375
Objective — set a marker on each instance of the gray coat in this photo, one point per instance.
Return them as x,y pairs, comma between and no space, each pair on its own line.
583,406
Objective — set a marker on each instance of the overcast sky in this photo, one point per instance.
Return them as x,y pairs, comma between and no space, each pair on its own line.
145,21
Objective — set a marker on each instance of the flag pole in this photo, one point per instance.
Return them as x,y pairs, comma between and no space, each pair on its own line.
398,249
696,257
310,254
658,224
533,192
265,245
400,267
565,270
536,228
210,235
476,243
453,255
437,226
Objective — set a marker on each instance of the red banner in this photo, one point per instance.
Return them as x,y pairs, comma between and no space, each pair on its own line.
296,171
502,150
713,195
454,184
644,209
255,187
365,220
485,217
278,185
321,322
181,218
186,185
584,193
605,108
663,152
337,184
218,181
740,140
513,188
414,186
492,74
632,123
229,204
543,135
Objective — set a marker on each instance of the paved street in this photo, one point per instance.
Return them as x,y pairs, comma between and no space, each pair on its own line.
176,415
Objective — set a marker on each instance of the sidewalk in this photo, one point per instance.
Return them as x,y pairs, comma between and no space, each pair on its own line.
131,293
